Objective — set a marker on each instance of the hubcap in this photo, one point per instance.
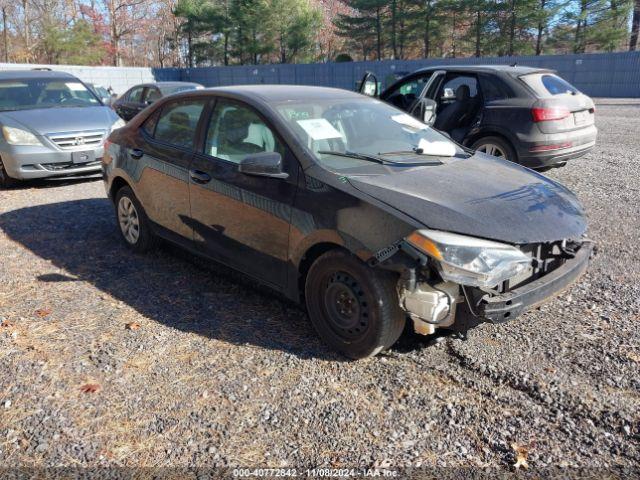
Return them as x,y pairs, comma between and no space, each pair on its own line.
491,149
129,221
345,306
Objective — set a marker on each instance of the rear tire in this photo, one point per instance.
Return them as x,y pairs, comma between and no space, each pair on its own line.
497,147
133,222
354,308
5,180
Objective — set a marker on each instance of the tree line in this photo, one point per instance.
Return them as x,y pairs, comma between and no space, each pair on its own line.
184,33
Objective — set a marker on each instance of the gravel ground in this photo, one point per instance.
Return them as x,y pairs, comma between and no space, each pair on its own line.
113,359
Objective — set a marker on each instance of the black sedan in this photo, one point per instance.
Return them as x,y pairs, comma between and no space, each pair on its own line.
139,97
343,202
527,115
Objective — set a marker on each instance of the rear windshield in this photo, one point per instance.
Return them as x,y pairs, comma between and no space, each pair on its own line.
180,88
548,84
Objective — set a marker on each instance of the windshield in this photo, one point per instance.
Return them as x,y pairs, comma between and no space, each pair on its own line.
44,93
342,133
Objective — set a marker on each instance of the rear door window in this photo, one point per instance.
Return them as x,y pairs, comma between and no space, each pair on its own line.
548,84
178,123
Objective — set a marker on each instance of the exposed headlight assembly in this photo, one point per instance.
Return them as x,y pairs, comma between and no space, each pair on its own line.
118,124
18,136
468,260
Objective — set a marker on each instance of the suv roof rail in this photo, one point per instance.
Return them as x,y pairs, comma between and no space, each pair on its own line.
42,68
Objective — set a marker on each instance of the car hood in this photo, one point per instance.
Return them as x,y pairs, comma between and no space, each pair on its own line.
481,196
70,119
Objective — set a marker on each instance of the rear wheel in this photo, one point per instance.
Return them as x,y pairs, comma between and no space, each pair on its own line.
353,307
133,222
5,180
496,147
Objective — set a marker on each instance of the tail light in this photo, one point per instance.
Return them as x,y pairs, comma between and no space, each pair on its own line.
549,114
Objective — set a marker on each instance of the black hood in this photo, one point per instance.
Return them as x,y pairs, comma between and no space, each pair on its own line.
483,197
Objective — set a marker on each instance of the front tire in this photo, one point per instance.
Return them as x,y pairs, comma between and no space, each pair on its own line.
5,180
133,222
496,147
354,308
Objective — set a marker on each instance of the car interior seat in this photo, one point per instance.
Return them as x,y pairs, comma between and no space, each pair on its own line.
232,133
181,131
454,114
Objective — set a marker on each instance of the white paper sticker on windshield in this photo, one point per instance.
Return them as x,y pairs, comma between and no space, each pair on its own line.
319,129
440,148
409,121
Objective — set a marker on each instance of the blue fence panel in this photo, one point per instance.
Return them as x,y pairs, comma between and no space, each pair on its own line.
599,75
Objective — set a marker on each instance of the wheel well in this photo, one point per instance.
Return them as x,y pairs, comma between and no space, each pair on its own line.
116,185
311,256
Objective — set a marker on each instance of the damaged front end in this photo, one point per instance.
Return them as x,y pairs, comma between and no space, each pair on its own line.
456,282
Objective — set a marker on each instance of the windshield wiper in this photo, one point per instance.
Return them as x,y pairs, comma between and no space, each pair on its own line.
359,156
414,151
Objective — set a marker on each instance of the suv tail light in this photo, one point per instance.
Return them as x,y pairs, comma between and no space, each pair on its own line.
549,114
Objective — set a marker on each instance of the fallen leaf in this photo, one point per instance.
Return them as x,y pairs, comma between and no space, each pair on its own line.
132,326
90,388
634,357
521,452
6,323
43,312
550,370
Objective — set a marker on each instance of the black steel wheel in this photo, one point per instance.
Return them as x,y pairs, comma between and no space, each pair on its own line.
353,307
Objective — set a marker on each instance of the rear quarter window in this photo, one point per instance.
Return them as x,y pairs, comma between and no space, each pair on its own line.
494,88
548,85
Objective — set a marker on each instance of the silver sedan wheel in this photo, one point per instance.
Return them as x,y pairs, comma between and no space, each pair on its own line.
491,149
129,220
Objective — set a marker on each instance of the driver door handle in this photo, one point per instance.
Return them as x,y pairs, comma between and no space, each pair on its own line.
199,176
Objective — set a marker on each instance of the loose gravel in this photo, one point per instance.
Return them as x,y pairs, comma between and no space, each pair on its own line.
114,359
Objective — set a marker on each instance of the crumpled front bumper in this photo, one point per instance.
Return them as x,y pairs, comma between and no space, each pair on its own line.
506,306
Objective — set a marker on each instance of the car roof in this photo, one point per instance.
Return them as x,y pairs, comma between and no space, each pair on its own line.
280,93
30,74
162,85
515,70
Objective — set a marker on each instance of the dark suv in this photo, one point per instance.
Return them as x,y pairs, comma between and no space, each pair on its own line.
527,115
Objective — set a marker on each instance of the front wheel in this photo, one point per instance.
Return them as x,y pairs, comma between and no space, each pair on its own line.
5,180
354,308
496,147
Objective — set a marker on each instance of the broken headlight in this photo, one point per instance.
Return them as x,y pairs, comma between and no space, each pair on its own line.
468,260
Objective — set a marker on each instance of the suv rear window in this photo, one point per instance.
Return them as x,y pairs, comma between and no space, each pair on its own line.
548,84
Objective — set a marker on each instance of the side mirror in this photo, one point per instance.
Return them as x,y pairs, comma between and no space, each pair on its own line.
369,85
264,164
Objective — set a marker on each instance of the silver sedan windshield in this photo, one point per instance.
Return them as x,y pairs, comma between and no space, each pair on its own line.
26,94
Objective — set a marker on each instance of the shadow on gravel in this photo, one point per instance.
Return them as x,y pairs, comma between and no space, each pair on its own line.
169,286
43,183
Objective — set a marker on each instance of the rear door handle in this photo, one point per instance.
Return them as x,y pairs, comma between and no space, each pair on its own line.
136,153
199,177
